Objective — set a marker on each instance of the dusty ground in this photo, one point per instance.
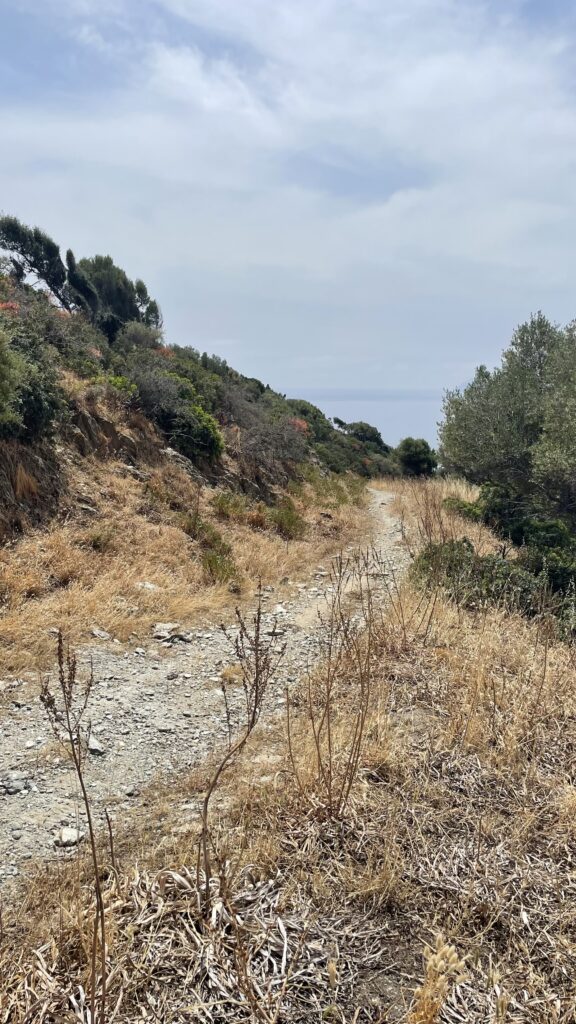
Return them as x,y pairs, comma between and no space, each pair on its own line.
155,711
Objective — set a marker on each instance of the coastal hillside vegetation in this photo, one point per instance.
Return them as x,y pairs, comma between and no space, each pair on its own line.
88,318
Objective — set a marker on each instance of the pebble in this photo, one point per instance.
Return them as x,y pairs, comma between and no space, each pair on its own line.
69,837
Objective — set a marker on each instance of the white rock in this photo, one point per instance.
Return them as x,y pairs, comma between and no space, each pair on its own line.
94,747
164,629
69,837
101,634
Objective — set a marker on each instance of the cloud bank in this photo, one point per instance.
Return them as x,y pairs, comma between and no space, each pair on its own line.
330,195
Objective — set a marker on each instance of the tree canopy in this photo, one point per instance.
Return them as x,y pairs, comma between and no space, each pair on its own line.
96,286
416,457
513,427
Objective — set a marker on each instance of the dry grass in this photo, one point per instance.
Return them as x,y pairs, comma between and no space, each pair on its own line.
419,506
25,485
131,563
443,892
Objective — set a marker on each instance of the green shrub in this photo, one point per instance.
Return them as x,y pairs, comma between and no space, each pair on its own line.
467,509
32,396
216,555
126,388
504,511
217,559
287,521
474,580
416,457
229,505
10,374
548,533
218,566
556,565
168,399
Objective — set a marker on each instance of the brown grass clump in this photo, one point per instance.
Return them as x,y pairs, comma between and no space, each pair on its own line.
456,836
25,485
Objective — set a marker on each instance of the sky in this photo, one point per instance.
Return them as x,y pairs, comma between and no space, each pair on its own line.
355,201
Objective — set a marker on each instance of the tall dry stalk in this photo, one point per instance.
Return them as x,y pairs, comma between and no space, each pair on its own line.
342,678
259,655
65,711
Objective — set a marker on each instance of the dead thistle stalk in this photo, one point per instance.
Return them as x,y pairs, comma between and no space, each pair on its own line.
344,675
65,713
259,656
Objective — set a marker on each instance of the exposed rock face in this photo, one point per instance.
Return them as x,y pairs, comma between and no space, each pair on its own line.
33,478
90,432
30,486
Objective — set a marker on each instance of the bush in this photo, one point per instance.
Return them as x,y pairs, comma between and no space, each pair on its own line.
504,511
218,566
477,580
217,560
216,555
10,371
137,336
416,457
548,533
466,509
122,388
32,398
555,565
287,521
229,505
169,401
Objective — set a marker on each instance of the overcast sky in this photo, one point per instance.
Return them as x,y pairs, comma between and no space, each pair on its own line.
354,200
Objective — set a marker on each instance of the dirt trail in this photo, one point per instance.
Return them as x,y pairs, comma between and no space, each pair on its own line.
155,712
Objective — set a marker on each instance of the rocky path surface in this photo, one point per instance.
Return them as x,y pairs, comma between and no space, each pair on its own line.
155,711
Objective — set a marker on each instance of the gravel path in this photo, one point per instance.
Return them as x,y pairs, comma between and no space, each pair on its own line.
154,712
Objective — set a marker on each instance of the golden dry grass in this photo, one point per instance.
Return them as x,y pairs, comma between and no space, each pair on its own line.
445,891
131,563
419,506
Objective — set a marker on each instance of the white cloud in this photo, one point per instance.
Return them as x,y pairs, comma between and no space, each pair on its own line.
346,177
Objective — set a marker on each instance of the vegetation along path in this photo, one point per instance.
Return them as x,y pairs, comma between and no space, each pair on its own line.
155,712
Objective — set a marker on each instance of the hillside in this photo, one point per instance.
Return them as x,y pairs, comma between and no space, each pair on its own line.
141,480
89,322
